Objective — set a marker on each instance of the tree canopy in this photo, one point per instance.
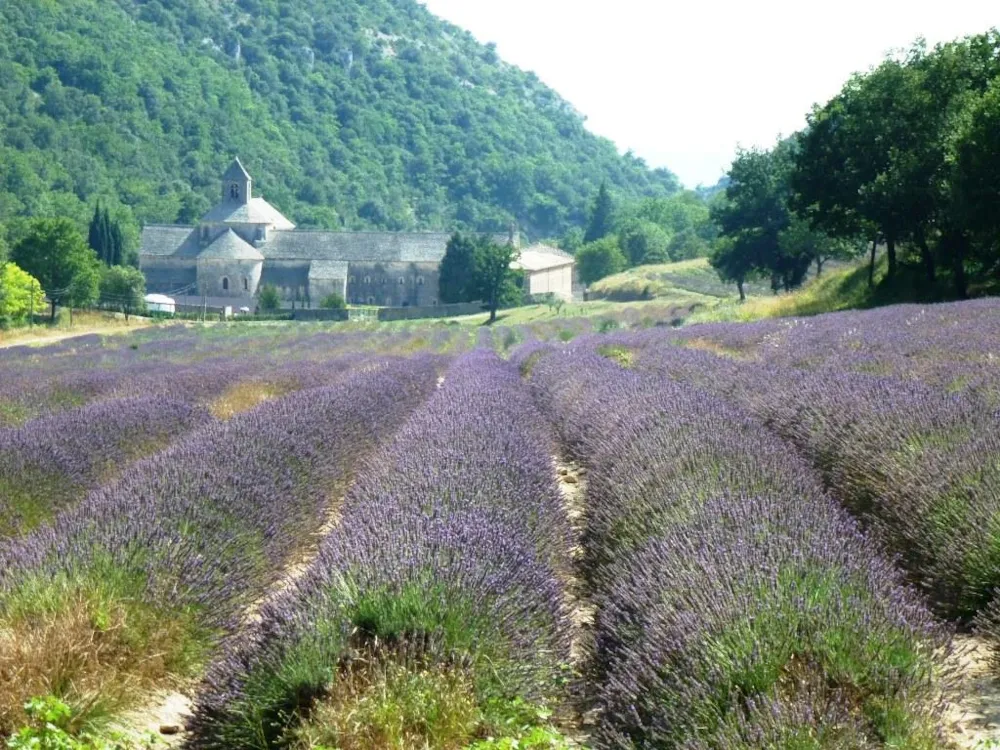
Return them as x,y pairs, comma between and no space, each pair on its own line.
599,259
123,288
904,157
55,253
20,294
478,269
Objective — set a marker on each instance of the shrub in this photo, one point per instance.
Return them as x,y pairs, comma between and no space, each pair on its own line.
268,299
333,301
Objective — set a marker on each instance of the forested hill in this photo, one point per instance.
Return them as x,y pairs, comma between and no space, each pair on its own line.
355,113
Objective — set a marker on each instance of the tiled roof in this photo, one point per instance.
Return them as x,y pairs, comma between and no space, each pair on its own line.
229,246
541,258
164,240
327,269
256,211
305,246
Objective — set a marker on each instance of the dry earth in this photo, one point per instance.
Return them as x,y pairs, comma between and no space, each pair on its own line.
972,713
166,713
573,487
52,336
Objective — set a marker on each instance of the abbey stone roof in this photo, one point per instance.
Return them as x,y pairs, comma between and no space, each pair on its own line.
163,242
229,246
255,211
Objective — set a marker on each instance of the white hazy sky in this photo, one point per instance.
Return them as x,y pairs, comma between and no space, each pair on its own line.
683,83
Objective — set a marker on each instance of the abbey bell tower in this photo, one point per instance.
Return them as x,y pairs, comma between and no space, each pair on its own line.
236,184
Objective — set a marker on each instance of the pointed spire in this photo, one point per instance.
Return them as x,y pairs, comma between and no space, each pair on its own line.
236,184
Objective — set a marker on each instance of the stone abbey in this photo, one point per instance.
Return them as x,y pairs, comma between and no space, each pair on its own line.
244,243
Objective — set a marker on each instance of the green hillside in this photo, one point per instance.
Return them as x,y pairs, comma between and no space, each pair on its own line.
354,113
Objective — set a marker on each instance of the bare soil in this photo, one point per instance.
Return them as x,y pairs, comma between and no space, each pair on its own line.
166,713
572,482
972,712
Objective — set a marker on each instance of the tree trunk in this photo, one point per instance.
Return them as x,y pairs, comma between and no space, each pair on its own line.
926,258
871,264
743,294
890,252
819,266
958,252
52,317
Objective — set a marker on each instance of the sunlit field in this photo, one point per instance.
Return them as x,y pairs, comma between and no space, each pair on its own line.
602,532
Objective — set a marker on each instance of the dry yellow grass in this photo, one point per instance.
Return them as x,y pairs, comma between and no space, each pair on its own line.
241,397
84,323
91,653
380,703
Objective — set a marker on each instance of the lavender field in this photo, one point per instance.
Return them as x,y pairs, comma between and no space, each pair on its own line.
609,534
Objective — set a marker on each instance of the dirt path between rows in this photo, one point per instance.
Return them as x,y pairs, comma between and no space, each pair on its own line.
167,712
572,483
972,713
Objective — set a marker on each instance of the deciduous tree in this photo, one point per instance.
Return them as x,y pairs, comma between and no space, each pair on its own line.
123,288
55,253
600,259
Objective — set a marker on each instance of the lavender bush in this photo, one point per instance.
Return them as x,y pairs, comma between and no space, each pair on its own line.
737,604
451,544
197,532
50,464
912,460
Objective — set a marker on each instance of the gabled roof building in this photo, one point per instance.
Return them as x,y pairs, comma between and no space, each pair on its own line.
244,243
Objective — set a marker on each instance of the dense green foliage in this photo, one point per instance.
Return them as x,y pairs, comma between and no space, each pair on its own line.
347,113
905,156
20,294
55,253
106,238
477,269
763,235
641,232
268,298
123,288
333,301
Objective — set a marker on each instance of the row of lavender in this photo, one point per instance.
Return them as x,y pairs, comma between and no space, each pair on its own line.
195,366
954,347
738,606
50,463
920,465
448,564
137,584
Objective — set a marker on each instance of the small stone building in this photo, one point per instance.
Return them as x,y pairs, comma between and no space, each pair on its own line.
245,243
547,270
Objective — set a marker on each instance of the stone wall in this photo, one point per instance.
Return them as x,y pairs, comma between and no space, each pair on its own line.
436,311
393,284
243,278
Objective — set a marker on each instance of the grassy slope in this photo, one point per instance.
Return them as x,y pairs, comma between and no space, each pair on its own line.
666,280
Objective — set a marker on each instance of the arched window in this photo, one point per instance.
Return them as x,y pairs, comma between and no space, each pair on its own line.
246,284
225,284
368,279
234,191
371,300
401,281
420,280
351,280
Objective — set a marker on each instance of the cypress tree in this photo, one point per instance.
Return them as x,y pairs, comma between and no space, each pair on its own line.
601,216
118,245
94,233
